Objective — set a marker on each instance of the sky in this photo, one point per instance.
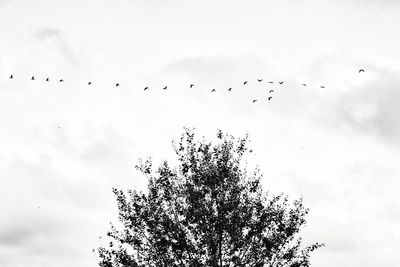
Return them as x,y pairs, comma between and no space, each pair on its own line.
64,146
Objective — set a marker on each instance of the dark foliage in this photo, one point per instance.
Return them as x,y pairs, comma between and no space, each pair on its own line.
207,212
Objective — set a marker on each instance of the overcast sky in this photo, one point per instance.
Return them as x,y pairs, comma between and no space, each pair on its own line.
63,146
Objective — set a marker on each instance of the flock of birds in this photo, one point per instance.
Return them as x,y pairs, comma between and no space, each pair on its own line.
33,78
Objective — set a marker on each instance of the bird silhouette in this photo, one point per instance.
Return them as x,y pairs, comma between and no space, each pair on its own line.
33,78
12,76
146,88
270,82
269,98
304,84
165,88
213,90
254,100
47,79
322,86
260,80
281,82
230,89
191,85
117,84
89,83
61,80
245,83
271,91
361,70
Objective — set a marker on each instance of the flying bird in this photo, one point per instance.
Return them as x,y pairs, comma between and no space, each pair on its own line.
271,91
260,80
245,83
191,85
270,82
304,84
213,90
89,83
117,84
281,82
322,86
12,76
33,78
230,89
361,70
269,98
47,79
61,80
146,88
254,100
165,88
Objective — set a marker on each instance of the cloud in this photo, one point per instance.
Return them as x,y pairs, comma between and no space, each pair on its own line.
55,38
373,108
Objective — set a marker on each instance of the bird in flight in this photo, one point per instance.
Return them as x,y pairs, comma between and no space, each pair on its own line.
271,91
281,82
361,70
230,89
12,76
270,82
146,88
260,80
47,79
165,88
89,83
61,80
213,90
245,83
254,100
117,84
322,86
33,78
191,85
269,98
304,84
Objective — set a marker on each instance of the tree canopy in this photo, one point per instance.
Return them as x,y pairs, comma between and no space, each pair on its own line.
207,211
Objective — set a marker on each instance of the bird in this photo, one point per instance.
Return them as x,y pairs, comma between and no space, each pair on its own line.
322,86
33,78
361,70
146,88
269,98
61,80
260,80
245,82
254,100
281,82
191,85
271,91
165,88
213,90
89,83
270,82
304,84
47,79
12,76
117,84
230,89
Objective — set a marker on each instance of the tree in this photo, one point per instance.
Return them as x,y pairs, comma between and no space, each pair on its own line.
206,212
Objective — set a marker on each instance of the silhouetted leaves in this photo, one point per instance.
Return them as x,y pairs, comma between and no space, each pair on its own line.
206,212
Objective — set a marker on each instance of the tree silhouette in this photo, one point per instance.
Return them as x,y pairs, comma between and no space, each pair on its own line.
206,212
